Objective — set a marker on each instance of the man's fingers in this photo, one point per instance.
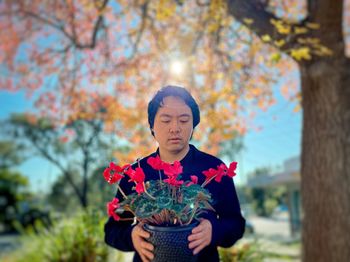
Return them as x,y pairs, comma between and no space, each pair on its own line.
143,233
195,244
147,254
143,258
197,229
199,248
195,236
147,245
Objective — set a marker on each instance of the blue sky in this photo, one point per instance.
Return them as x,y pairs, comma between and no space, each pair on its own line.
278,140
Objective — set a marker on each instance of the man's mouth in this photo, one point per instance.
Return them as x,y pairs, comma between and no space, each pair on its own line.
175,139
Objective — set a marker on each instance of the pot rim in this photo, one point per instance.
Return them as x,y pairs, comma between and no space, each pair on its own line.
170,228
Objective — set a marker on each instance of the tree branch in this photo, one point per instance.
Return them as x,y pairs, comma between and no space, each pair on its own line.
65,172
144,9
260,22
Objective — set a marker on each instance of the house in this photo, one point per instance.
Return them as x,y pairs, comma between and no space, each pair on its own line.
289,178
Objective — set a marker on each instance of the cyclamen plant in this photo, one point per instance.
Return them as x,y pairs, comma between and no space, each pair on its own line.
165,202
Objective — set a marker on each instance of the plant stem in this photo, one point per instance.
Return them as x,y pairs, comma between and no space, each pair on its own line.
160,176
206,182
126,219
146,192
193,214
122,192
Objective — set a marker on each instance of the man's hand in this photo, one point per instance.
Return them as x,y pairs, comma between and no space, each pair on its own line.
138,235
201,236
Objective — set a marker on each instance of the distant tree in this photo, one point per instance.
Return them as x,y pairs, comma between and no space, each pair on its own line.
75,149
11,154
13,185
265,199
99,193
60,196
231,148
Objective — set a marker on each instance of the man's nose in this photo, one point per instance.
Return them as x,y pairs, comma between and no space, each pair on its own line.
174,126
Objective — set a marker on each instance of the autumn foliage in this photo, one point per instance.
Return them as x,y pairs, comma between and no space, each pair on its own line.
105,59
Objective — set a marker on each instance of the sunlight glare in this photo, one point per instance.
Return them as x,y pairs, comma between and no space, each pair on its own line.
177,67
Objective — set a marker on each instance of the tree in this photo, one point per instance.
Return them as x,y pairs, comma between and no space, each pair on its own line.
99,193
12,183
11,154
325,96
265,199
75,149
72,46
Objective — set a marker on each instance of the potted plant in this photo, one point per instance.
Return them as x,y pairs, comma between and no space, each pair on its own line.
168,208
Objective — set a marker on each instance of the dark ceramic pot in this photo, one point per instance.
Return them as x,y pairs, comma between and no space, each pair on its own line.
170,243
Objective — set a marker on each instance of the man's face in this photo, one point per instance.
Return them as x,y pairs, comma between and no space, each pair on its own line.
173,125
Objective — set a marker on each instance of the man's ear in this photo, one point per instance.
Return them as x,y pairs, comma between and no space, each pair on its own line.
191,134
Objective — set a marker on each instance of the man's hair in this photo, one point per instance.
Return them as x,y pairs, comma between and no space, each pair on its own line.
176,91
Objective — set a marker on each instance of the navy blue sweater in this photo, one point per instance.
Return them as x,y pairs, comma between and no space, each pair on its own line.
227,222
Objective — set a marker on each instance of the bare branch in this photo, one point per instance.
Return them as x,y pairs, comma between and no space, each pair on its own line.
144,15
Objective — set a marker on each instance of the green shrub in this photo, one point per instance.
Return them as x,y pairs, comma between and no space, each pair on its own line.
79,238
243,252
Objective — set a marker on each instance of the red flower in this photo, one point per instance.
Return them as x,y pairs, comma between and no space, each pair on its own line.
231,170
111,207
210,173
194,180
172,170
155,162
221,171
140,188
113,173
137,175
173,182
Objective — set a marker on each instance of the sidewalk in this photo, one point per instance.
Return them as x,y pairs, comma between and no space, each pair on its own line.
275,239
8,242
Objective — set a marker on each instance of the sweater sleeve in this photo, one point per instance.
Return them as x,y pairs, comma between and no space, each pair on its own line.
118,233
228,223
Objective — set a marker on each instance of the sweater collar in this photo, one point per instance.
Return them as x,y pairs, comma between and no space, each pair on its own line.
187,158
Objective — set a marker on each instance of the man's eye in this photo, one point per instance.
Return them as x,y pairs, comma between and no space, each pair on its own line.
183,121
165,121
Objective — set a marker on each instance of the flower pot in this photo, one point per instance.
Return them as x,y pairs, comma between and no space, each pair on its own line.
170,243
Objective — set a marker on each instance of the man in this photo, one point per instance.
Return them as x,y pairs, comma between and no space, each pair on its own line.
172,115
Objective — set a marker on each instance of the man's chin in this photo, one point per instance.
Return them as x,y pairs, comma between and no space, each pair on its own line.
176,148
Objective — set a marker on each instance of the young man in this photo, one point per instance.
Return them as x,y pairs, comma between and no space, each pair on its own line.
172,115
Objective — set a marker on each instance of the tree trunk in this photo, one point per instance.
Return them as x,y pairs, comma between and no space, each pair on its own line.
325,170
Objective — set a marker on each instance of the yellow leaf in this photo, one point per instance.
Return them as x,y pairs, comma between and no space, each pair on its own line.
313,25
266,38
220,75
283,29
302,40
300,30
165,9
274,22
213,27
248,21
280,43
323,51
313,40
301,53
275,57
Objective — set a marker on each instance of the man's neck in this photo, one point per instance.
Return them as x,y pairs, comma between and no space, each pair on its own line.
171,157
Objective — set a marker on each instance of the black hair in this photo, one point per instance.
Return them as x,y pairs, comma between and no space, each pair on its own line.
176,91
